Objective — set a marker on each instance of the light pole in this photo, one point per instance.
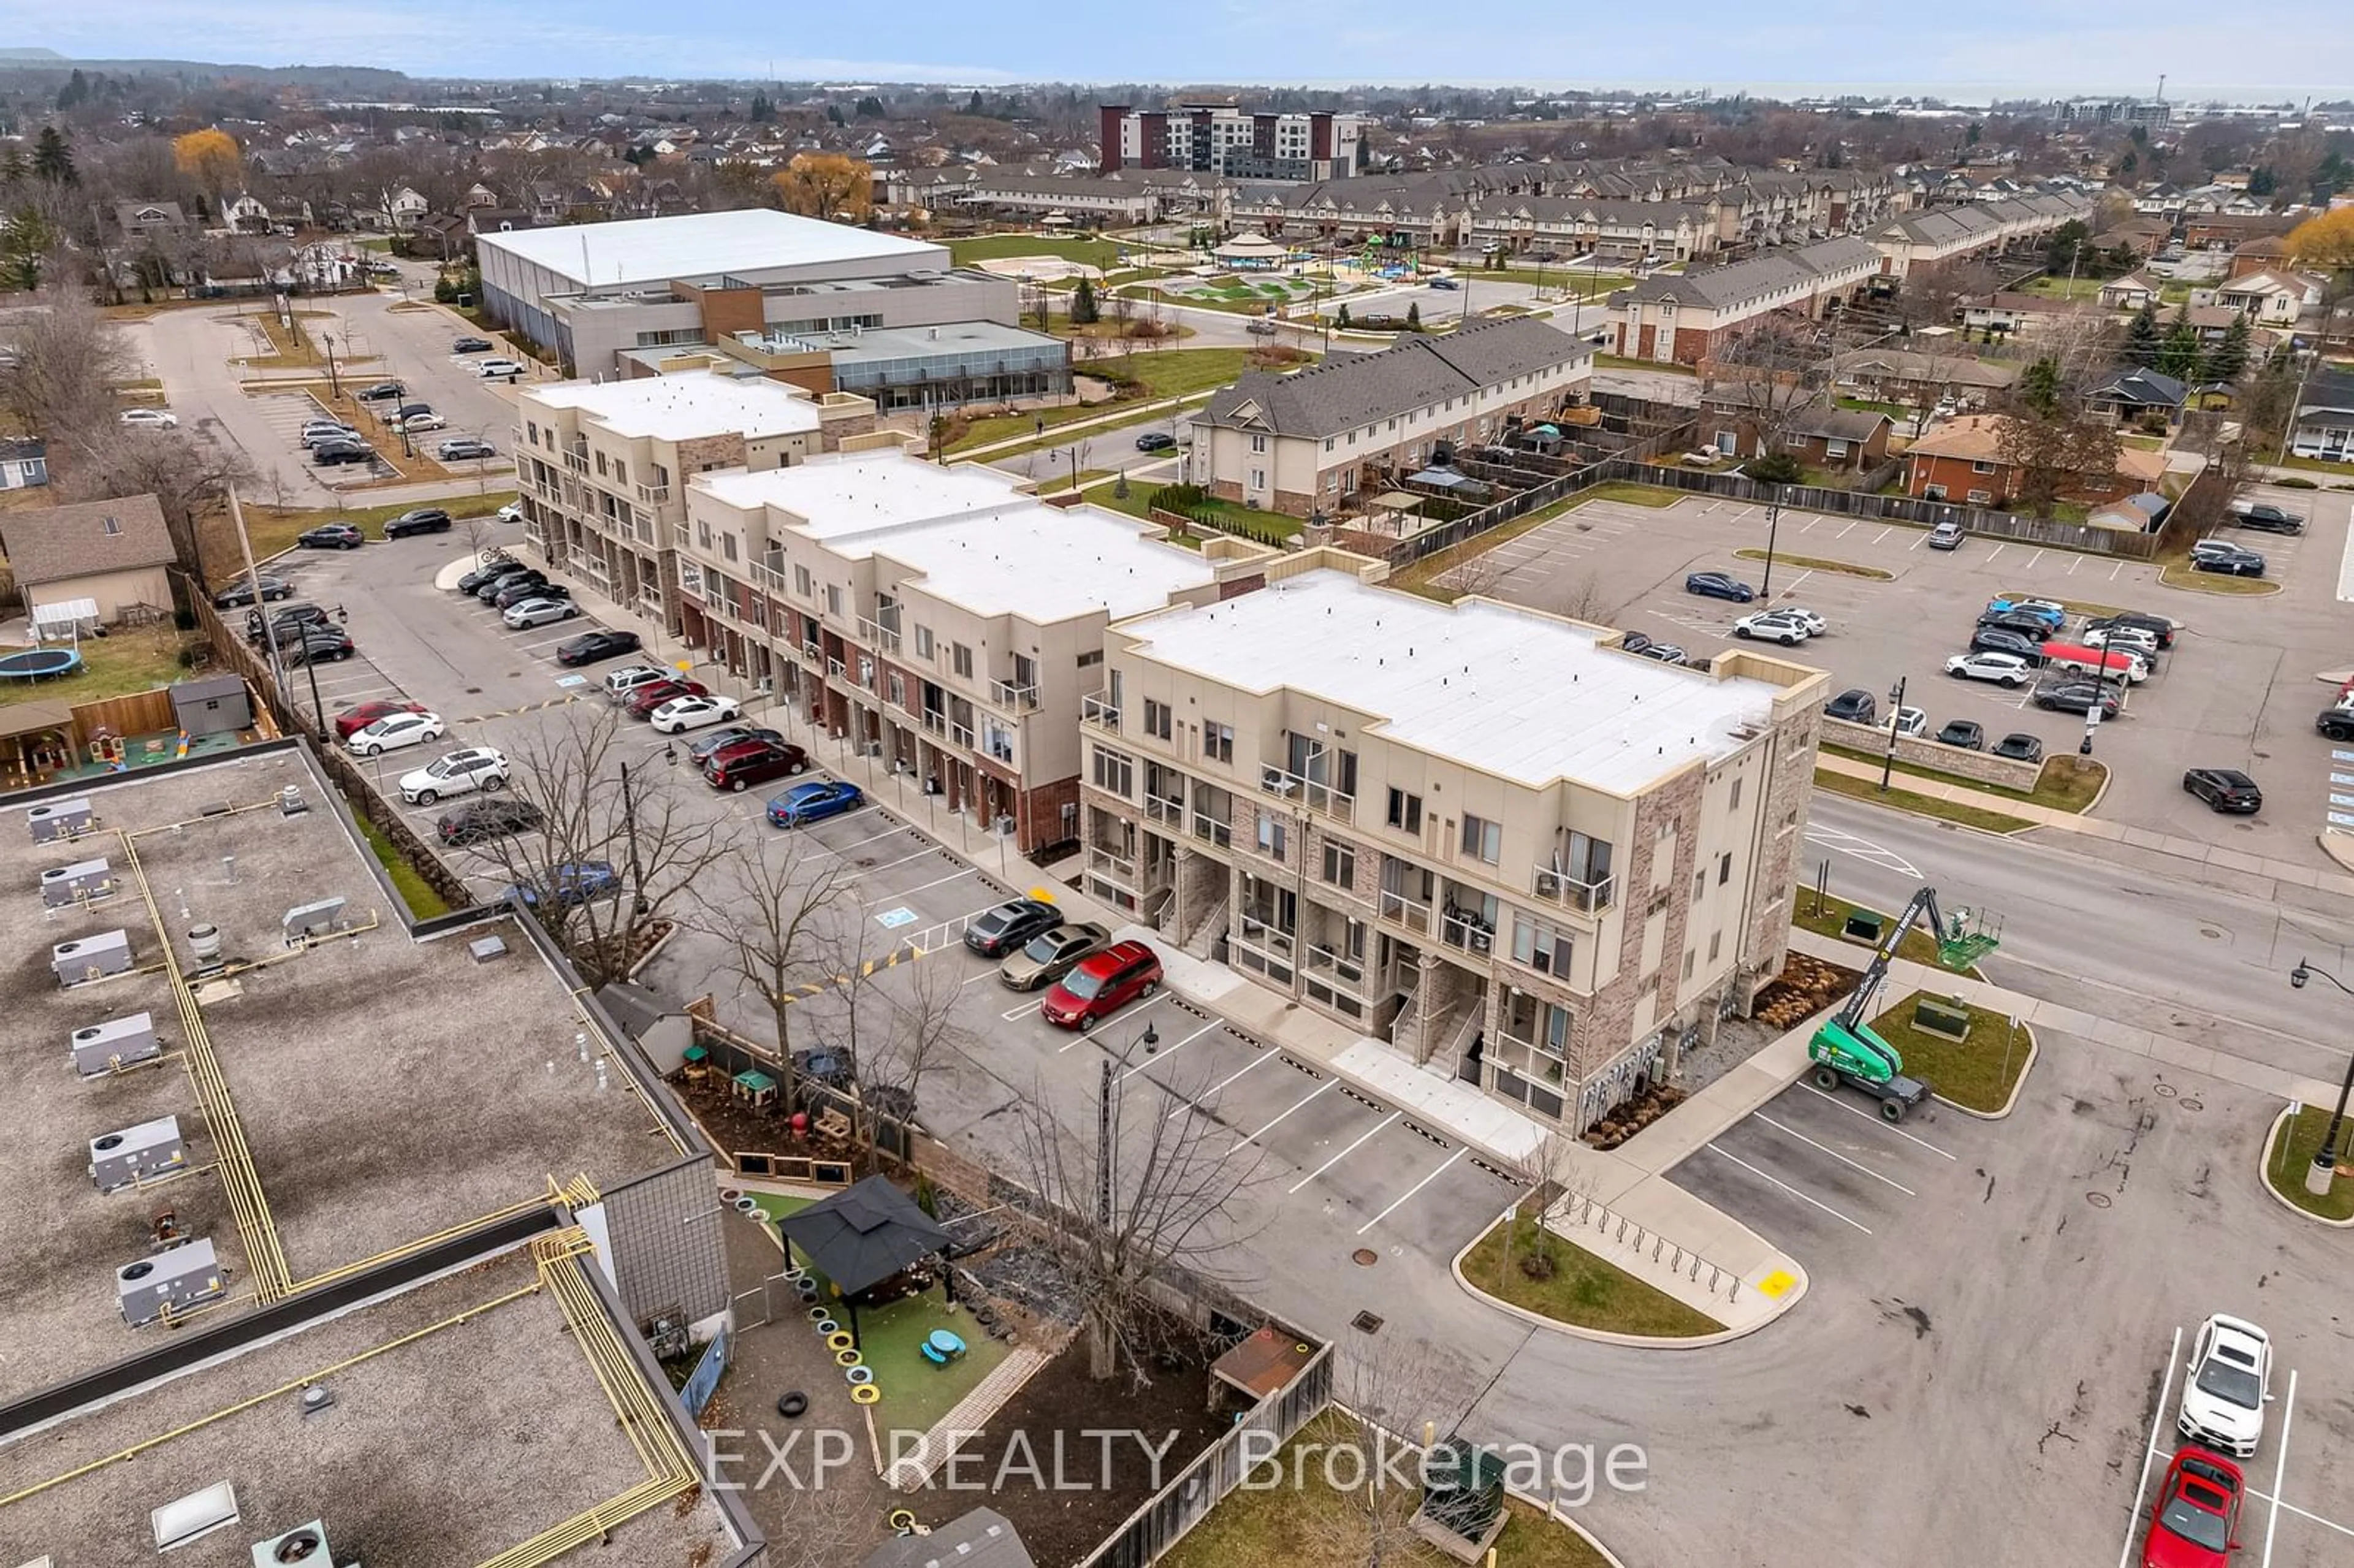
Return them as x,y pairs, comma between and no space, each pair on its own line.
1773,528
334,388
2324,1169
1895,717
1108,1121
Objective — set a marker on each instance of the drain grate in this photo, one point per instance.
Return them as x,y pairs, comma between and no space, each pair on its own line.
2165,1091
2098,1200
1364,1257
1367,1322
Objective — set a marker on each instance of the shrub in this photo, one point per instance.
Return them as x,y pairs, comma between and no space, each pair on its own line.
2297,483
1776,468
1179,497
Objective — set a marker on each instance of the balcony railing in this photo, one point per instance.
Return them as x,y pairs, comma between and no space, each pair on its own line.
1261,935
1099,711
935,721
1459,929
1413,915
1019,699
1161,811
961,734
1332,962
1561,887
1315,795
1121,867
653,494
576,459
879,635
1212,829
1527,1057
811,654
837,670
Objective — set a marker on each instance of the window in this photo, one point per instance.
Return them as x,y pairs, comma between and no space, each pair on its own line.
1482,838
702,534
1980,497
923,642
1271,831
1982,466
1340,863
727,545
1932,492
832,599
960,660
621,471
1258,479
1115,772
1734,803
1724,868
1090,661
1258,443
1540,945
1157,719
1834,449
1219,742
1715,945
804,584
531,433
1405,811
1700,885
1796,443
111,526
600,465
1690,957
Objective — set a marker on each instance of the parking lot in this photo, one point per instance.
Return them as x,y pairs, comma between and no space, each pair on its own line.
1325,1170
2239,689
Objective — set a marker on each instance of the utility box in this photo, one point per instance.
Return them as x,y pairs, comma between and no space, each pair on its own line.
80,883
137,1154
172,1281
1862,926
91,957
1942,1015
308,922
117,1043
52,820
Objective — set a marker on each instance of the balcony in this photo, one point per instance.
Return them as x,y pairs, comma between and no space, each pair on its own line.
1099,711
1412,914
653,494
1112,863
1461,929
960,734
576,458
1265,937
836,670
881,634
1014,699
1336,966
1561,887
935,721
1212,829
812,655
1308,792
1165,811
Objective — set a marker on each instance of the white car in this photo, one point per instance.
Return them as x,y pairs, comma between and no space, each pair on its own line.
416,424
2007,670
621,682
1913,722
681,714
2125,640
489,369
153,418
1815,624
459,773
392,733
511,512
2224,1396
1773,626
539,612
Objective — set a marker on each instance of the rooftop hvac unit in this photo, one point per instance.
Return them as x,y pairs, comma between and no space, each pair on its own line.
172,1281
54,819
198,1514
304,1544
151,1149
117,1043
308,922
79,882
91,957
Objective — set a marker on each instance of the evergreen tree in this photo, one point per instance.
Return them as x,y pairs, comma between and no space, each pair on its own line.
834,114
1083,303
1341,321
2142,338
2178,355
75,90
2039,388
762,108
52,161
975,107
2228,360
871,107
1413,316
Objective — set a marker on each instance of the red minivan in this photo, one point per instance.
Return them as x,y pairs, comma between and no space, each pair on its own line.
1102,985
743,762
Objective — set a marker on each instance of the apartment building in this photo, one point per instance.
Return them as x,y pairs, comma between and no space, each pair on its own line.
1310,440
1488,836
1223,139
1682,318
602,467
942,619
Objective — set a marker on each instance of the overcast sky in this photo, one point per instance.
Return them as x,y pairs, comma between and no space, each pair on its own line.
2270,48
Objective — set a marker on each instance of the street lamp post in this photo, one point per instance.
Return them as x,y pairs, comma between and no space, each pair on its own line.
1773,528
2324,1169
1895,717
1107,1122
334,386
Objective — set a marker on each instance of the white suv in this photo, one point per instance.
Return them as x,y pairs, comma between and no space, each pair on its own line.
621,682
459,773
2224,1397
2006,670
1774,626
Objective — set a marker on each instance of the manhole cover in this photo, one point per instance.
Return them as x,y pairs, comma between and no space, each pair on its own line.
1364,1257
473,691
2098,1200
1366,1323
2212,934
2166,1091
2191,1105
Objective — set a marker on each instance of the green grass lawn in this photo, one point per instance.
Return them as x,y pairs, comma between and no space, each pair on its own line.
1827,917
1633,494
1314,1526
1896,412
1818,564
2066,784
274,527
2065,289
1923,805
2285,1169
1977,1073
998,428
1613,362
423,903
2317,465
1172,372
1086,251
1589,284
136,658
2177,574
1584,1290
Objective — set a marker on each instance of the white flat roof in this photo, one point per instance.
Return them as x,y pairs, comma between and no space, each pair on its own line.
686,406
648,249
971,537
1506,691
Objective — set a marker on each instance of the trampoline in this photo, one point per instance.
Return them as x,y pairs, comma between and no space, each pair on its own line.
39,664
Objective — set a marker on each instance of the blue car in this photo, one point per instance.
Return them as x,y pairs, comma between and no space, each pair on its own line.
806,803
2044,610
575,884
1717,585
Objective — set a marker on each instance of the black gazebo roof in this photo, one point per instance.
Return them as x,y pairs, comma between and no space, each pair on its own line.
863,1235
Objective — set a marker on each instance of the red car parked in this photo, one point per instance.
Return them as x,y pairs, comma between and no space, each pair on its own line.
744,762
2196,1523
1102,985
351,721
645,699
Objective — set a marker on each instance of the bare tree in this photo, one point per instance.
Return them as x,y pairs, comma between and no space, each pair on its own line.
925,1029
614,852
2049,439
1766,378
187,474
1395,1389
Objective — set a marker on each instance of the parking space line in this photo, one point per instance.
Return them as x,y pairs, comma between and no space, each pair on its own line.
1080,1036
1778,1182
892,831
1834,1153
1321,1089
1877,1121
1410,1191
1916,543
886,866
935,882
1883,534
2149,1451
2280,1468
1261,1060
1998,549
2033,558
1171,1051
1848,529
1346,1152
1022,1011
2304,1514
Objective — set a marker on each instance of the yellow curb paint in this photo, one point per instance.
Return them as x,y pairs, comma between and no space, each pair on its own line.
1776,1285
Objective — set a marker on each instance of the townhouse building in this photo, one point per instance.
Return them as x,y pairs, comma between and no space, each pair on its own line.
1945,235
943,619
1681,319
1490,837
602,467
1611,230
1311,441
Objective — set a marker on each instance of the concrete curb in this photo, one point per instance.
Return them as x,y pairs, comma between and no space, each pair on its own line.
2269,588
2034,1049
2263,1174
1604,1336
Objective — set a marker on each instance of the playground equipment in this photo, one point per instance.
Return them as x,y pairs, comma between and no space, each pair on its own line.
1845,1050
39,664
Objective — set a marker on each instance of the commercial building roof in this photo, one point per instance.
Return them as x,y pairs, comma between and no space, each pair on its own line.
1508,691
893,344
692,245
686,406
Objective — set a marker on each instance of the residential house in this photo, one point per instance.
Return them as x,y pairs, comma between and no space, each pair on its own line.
2020,314
1310,440
1918,380
2271,299
2131,292
2128,394
1961,459
2323,426
150,220
1487,838
1734,419
24,462
2267,253
110,553
1090,202
399,210
2217,231
1683,318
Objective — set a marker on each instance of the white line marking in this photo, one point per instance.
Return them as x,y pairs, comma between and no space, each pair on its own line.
1778,1182
2032,559
871,839
1882,1124
1810,526
1346,1152
1998,549
1270,1127
1916,543
1834,1153
1883,534
886,866
2301,1513
935,882
1025,1011
1848,529
1080,1036
1410,1191
2280,1468
1263,1059
2133,1517
2115,570
1171,1051
2073,565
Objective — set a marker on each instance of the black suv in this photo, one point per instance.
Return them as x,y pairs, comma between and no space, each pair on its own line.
286,625
381,391
2158,626
2077,697
481,819
2224,789
421,520
2338,724
1856,705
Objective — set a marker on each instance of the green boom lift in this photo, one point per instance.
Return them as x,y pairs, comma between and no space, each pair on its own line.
1846,1051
